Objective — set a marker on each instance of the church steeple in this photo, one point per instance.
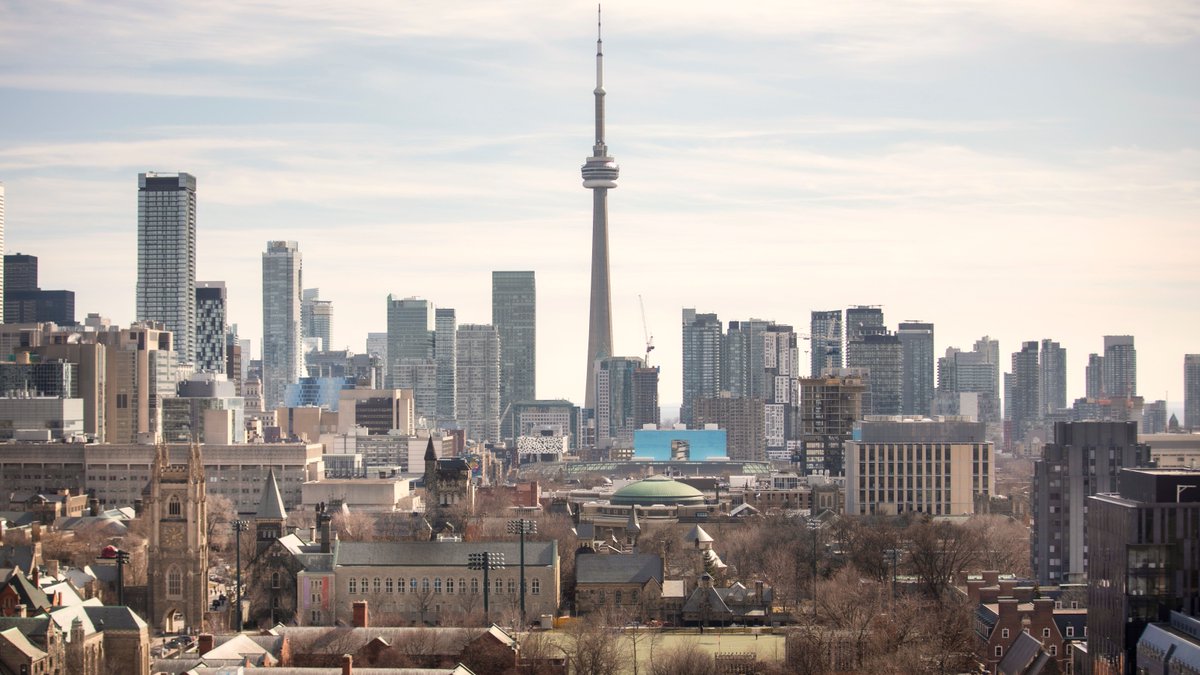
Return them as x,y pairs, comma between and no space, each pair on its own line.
271,515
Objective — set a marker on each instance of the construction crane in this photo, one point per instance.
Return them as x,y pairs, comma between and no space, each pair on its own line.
646,331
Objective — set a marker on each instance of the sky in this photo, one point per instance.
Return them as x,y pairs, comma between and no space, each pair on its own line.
1024,169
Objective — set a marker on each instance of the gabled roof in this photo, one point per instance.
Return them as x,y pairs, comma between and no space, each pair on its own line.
637,568
706,596
237,647
270,505
1024,657
17,556
16,640
430,454
114,617
34,598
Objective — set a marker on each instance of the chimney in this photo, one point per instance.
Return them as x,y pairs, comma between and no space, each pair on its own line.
1043,609
204,644
1008,607
973,586
52,568
1007,586
94,506
138,507
19,611
991,577
989,594
347,664
360,614
323,536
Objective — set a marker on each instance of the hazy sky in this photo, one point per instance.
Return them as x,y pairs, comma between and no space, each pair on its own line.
1024,169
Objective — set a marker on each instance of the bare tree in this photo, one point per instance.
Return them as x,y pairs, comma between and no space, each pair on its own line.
591,650
938,551
354,526
1004,544
220,514
685,658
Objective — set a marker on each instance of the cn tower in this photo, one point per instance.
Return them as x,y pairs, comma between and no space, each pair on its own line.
599,174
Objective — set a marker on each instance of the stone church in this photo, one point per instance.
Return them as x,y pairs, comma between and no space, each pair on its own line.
177,558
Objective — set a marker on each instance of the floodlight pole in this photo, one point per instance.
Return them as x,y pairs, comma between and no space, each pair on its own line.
522,526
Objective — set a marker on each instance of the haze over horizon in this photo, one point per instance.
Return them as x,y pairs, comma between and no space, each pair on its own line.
1024,170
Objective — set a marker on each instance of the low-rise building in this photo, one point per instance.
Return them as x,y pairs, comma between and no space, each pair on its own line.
627,587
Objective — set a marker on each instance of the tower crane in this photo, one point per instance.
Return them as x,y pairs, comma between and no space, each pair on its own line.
646,331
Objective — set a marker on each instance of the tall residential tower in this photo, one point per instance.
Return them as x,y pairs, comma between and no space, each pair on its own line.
283,344
599,175
514,314
166,263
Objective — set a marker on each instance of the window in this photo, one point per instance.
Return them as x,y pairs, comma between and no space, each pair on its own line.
274,602
174,582
437,585
1070,631
274,579
353,586
412,584
498,587
475,586
363,583
425,585
1004,633
376,585
617,598
1045,632
1053,650
999,650
512,585
400,585
315,617
174,508
535,586
389,585
450,586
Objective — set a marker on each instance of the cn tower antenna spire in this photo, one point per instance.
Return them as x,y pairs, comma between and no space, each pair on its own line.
599,175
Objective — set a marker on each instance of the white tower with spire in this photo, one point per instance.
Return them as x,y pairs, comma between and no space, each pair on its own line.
599,175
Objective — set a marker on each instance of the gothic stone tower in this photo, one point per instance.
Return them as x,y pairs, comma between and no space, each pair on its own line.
178,553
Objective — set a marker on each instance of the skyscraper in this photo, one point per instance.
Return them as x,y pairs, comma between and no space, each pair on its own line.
1120,366
316,316
1,251
742,372
1053,377
645,397
1094,376
283,352
1191,391
211,327
825,328
880,353
599,175
616,401
411,360
445,353
862,317
166,267
478,371
1085,458
514,314
701,361
916,346
1026,389
24,302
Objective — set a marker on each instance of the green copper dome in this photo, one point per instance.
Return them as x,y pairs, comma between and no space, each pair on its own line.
657,490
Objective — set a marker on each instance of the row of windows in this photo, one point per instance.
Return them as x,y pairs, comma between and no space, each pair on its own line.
363,585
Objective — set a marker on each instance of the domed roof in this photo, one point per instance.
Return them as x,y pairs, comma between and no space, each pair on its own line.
657,490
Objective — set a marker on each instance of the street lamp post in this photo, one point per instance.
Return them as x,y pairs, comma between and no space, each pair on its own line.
485,561
522,527
239,526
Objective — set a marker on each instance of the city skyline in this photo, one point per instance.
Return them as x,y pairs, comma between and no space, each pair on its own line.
756,145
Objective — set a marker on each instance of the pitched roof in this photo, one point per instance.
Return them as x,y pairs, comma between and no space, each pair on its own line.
114,617
697,534
430,454
440,553
270,505
1024,657
14,638
34,598
706,596
637,568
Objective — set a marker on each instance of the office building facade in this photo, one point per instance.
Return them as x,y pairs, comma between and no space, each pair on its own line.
1094,376
514,314
445,356
283,352
1086,458
742,419
211,326
1025,396
316,317
166,261
829,408
917,364
934,467
1145,562
880,355
1053,377
1191,391
825,330
1120,367
479,382
617,403
862,319
701,361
